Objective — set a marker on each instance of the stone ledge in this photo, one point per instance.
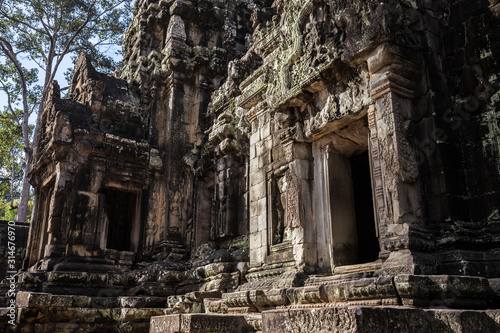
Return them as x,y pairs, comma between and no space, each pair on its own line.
380,319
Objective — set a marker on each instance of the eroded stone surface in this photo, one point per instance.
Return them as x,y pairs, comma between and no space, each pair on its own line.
379,319
276,157
200,323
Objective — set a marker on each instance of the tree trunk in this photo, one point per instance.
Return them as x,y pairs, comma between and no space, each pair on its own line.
12,183
22,207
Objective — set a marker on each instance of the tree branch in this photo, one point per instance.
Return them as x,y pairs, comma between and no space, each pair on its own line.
9,52
9,98
70,41
7,16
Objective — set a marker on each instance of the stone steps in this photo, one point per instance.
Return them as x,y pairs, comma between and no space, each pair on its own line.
54,319
44,312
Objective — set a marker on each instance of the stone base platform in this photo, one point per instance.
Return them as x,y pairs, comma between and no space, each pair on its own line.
200,323
381,319
48,313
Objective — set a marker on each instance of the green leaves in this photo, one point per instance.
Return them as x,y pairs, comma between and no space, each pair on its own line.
45,32
11,156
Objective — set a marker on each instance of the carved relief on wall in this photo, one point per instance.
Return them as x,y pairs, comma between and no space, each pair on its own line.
283,74
281,231
151,228
175,213
377,175
225,208
398,158
293,209
221,211
176,29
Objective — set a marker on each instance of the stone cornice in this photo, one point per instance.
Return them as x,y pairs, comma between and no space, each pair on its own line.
392,82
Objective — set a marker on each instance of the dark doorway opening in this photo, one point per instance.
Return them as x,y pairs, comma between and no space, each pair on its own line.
368,245
119,207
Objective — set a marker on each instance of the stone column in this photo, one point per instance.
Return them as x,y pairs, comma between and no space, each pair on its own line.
321,206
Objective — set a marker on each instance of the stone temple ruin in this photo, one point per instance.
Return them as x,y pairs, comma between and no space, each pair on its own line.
274,166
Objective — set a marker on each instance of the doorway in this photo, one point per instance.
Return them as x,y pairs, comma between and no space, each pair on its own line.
120,210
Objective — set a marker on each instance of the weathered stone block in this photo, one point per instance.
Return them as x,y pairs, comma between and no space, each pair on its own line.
214,305
258,191
140,315
262,222
32,299
256,240
254,224
254,164
265,160
358,319
199,296
265,130
256,256
142,301
257,177
260,148
302,169
219,267
81,301
306,295
453,291
200,323
62,300
254,138
262,299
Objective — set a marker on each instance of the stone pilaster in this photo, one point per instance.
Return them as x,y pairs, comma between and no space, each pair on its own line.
395,175
299,197
259,138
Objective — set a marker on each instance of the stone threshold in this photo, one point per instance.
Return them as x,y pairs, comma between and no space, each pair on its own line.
358,268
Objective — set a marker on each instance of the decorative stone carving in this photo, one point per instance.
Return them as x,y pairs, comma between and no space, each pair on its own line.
151,229
176,29
399,164
175,209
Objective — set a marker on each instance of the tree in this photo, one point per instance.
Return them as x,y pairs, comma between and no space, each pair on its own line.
13,137
45,32
12,163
